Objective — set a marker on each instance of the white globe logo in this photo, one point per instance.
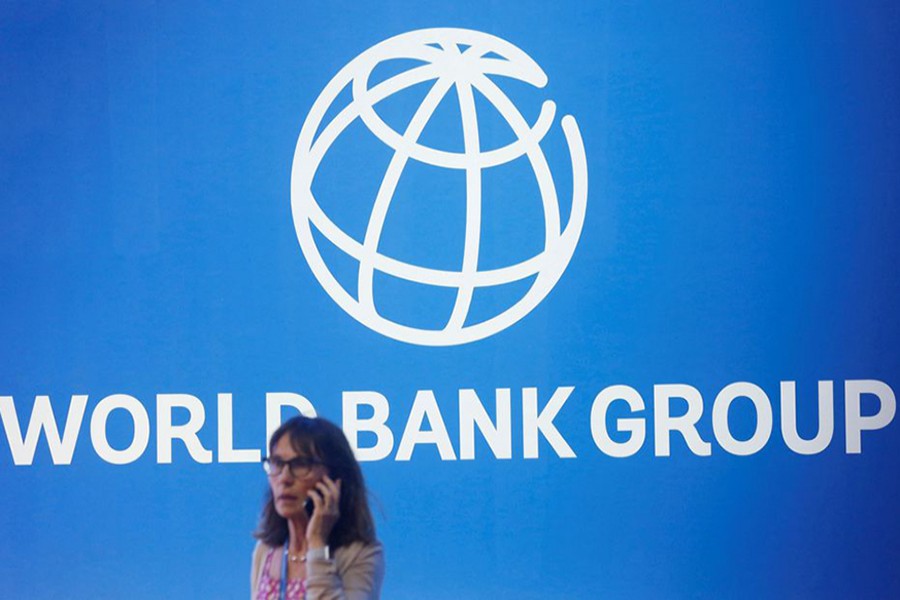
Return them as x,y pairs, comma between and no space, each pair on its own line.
457,60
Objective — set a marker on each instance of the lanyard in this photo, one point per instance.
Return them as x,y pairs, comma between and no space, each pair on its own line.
282,595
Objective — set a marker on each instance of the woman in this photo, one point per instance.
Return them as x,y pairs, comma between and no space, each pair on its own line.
316,534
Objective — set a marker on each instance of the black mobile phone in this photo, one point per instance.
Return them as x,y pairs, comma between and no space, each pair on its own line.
309,506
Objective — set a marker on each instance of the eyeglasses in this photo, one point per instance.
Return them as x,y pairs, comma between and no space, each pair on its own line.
299,467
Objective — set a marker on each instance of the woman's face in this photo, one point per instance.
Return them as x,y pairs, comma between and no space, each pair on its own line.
289,488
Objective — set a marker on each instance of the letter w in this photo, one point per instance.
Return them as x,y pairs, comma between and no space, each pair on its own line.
42,418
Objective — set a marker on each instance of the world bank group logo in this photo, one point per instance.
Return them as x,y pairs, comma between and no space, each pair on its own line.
422,191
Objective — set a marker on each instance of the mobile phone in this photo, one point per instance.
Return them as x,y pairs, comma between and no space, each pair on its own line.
309,506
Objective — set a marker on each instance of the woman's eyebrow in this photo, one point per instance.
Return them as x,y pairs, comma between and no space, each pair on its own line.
280,457
293,458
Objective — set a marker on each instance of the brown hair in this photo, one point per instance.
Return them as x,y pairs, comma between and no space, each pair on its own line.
322,440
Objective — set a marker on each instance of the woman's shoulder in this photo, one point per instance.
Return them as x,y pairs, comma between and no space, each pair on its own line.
359,551
359,547
261,549
351,549
260,552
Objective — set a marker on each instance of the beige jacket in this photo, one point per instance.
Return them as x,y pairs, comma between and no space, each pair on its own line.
355,572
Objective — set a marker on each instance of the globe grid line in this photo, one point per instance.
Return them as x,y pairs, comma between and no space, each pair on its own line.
365,99
535,155
449,67
471,145
443,158
365,279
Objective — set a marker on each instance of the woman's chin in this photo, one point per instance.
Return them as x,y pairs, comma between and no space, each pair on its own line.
288,509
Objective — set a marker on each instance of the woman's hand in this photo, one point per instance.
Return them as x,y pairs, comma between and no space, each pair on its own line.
326,498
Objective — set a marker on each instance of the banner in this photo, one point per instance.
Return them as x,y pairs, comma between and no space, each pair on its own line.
603,295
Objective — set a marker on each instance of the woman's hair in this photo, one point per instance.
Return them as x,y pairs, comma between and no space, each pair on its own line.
324,441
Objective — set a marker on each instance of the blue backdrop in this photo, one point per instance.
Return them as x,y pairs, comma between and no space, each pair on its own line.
744,169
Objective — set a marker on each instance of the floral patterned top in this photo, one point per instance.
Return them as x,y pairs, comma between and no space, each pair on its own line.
269,588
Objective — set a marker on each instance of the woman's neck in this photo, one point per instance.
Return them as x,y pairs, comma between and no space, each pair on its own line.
297,534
